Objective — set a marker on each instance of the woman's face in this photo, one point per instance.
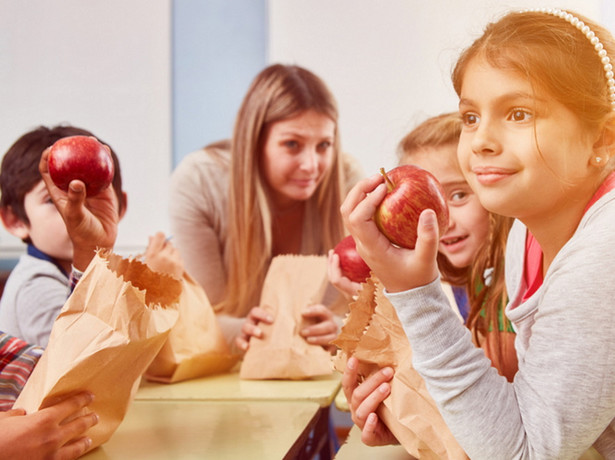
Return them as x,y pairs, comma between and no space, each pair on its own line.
297,154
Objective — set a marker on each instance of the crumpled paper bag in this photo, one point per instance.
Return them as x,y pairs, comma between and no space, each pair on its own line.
373,334
195,346
292,283
106,335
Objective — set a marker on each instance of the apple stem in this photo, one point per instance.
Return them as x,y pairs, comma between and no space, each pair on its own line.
390,185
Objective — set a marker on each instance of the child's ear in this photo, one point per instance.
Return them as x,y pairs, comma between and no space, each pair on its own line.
604,148
13,224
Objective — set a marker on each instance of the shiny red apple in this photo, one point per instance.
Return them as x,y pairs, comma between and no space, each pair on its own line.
83,158
352,265
410,191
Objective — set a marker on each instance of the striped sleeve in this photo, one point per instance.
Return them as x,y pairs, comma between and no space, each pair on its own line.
17,361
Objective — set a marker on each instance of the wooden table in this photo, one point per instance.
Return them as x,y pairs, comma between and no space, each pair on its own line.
354,449
229,387
218,430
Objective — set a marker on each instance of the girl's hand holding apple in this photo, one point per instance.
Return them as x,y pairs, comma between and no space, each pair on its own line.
398,269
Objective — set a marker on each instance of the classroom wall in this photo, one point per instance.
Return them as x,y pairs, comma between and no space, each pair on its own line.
104,66
158,79
389,63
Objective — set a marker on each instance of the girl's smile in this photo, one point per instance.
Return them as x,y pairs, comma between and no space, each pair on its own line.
487,175
523,152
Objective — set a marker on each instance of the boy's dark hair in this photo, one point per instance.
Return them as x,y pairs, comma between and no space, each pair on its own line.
19,170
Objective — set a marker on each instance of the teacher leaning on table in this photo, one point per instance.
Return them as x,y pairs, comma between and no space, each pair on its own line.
275,188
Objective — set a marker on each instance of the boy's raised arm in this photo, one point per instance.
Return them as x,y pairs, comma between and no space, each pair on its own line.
91,222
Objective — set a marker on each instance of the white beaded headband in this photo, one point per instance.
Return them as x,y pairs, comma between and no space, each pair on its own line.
593,39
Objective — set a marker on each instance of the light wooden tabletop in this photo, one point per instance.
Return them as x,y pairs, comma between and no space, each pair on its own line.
354,449
229,387
218,430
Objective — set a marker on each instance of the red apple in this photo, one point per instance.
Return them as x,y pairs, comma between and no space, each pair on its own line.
83,158
352,265
410,191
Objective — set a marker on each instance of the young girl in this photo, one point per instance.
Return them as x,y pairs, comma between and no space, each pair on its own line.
472,247
275,188
536,97
471,252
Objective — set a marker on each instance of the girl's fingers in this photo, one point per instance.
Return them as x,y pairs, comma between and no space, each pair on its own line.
427,241
350,378
358,193
368,396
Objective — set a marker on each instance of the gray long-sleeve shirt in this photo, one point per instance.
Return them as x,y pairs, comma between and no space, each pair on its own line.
562,399
35,292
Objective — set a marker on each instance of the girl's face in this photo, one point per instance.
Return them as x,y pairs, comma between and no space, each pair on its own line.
468,226
297,154
525,154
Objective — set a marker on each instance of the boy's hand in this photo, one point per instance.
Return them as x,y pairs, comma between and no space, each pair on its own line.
91,222
162,256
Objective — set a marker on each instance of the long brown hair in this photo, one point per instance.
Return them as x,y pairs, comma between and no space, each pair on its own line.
279,92
553,55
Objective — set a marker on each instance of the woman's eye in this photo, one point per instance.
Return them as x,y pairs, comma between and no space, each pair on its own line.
324,146
291,145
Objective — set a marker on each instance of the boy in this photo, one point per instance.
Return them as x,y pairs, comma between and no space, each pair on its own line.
40,283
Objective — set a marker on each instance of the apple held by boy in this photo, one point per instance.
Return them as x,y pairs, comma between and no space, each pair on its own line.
352,265
82,158
410,191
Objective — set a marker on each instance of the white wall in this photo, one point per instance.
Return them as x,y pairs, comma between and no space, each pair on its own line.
388,62
100,65
106,65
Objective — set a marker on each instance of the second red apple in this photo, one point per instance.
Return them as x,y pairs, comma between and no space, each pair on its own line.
352,265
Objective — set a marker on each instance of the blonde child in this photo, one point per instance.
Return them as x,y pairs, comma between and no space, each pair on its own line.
472,247
536,97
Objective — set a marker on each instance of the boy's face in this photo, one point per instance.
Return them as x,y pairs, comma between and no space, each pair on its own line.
47,229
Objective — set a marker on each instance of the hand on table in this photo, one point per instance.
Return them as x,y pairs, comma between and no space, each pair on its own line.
56,431
91,222
363,400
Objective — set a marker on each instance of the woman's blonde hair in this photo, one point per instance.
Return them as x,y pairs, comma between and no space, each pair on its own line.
279,92
486,301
